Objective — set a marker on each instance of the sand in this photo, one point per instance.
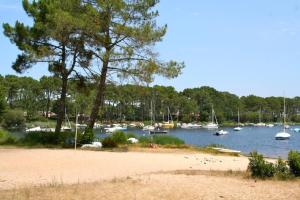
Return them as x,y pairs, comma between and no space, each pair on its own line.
19,167
130,175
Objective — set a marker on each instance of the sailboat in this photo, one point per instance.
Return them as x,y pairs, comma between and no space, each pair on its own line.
238,128
283,135
169,123
212,124
67,127
260,124
150,127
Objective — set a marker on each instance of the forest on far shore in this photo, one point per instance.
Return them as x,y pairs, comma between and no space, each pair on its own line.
40,98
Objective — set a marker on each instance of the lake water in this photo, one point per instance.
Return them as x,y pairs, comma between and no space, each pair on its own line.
260,139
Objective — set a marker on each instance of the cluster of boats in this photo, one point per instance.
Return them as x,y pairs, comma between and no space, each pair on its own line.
162,128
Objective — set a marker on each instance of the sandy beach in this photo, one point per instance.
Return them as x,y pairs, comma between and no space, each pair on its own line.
135,175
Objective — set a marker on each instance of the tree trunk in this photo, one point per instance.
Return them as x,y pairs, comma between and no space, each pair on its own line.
99,96
62,104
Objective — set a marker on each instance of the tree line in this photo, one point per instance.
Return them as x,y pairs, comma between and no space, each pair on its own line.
136,102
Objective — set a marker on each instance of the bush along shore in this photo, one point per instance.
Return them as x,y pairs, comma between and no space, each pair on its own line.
282,170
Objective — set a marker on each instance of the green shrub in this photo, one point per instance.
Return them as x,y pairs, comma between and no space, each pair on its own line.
87,137
294,162
167,140
119,137
6,138
145,140
48,138
109,142
13,119
260,168
282,170
161,140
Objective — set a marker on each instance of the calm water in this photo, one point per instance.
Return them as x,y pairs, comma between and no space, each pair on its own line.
246,140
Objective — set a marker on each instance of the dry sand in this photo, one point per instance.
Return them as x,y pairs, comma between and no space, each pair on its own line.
129,175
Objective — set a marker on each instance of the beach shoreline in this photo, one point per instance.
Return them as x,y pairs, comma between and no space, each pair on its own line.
172,174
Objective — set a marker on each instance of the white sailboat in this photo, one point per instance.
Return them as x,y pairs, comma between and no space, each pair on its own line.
260,124
212,124
283,135
169,124
238,128
150,127
67,127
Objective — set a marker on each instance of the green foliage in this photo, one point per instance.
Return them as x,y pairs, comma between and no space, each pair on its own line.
87,137
161,140
6,138
116,139
119,137
167,140
260,168
47,138
33,97
109,142
13,119
282,170
294,162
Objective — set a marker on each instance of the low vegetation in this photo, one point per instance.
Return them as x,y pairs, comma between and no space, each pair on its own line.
13,119
260,168
120,138
294,162
6,138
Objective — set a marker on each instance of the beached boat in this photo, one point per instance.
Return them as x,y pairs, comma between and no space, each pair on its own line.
283,135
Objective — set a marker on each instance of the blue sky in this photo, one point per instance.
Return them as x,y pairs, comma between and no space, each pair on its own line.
244,47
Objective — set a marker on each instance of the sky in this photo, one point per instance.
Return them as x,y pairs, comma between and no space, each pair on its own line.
243,47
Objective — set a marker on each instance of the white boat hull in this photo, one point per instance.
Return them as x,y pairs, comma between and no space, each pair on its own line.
221,132
282,136
237,128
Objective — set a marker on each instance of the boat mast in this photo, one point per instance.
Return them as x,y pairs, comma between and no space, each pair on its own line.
212,113
238,117
284,115
151,112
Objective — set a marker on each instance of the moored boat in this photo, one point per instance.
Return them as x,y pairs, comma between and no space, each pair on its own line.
212,124
221,132
238,128
283,135
158,131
